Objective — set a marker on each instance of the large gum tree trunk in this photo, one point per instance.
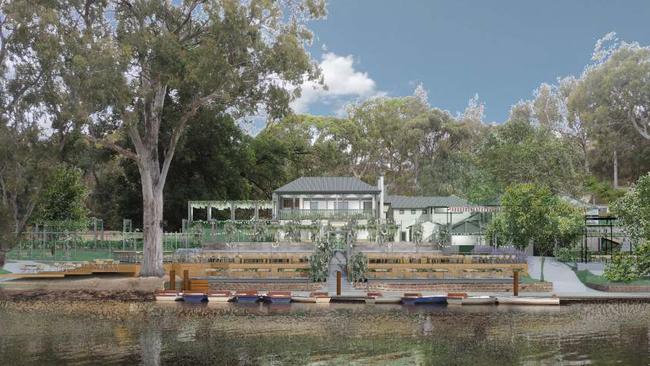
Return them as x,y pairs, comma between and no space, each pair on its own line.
152,199
3,258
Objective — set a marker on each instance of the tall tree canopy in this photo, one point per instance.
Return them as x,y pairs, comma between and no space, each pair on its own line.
520,152
130,68
532,215
63,196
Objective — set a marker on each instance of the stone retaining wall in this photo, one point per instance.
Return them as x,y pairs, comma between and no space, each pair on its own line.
454,287
279,286
618,288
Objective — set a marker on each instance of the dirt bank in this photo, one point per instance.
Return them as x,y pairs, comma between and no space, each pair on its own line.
96,283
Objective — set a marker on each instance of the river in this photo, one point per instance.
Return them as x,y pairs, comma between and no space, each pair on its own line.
232,334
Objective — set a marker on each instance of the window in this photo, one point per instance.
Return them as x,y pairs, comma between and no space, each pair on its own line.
412,212
367,205
287,203
401,212
313,205
342,205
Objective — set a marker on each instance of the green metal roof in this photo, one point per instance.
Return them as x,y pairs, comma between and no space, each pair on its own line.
402,202
327,185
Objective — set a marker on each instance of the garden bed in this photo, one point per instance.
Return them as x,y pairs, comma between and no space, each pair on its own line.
601,283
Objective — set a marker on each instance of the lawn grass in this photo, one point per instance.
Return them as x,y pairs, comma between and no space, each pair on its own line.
74,255
587,277
2,271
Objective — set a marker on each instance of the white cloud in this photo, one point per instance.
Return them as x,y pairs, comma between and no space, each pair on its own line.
343,83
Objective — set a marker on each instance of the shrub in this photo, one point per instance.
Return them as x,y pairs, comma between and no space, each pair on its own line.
568,254
622,268
358,267
629,267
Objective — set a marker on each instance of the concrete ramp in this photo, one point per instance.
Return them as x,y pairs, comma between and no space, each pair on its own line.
562,276
338,263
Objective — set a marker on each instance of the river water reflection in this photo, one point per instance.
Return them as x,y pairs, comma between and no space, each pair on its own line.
333,334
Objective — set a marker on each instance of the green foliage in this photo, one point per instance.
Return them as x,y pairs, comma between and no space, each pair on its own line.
63,197
520,152
358,267
589,278
622,268
564,254
627,267
532,214
602,191
642,259
26,161
319,261
609,102
570,254
633,210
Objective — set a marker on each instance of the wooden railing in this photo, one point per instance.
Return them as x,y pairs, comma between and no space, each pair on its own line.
412,265
299,214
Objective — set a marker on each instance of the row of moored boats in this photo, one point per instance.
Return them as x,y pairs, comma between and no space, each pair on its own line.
409,298
275,297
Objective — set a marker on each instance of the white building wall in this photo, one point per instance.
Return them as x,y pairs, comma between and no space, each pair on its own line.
407,217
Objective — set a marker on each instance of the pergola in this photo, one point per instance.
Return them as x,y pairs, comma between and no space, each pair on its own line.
227,205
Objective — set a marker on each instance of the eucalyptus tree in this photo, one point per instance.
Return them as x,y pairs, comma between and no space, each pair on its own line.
26,152
396,136
521,152
129,68
551,110
612,100
622,83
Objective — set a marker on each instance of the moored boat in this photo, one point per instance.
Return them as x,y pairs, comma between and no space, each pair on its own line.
220,296
313,298
247,297
431,300
456,298
387,300
528,300
168,295
409,298
278,297
194,297
371,297
416,298
479,300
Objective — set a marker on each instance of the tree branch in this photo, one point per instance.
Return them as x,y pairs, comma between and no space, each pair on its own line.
642,129
113,146
178,131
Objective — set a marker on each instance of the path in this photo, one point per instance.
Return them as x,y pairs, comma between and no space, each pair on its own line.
338,263
563,278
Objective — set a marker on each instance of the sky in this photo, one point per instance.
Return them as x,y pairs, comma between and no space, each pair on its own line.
500,49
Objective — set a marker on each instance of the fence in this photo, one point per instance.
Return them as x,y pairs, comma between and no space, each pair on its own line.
87,241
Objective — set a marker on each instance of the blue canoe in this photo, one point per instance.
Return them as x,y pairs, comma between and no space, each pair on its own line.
278,297
247,297
427,300
418,299
194,297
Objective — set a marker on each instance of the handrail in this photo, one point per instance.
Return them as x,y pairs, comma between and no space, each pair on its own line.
290,214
